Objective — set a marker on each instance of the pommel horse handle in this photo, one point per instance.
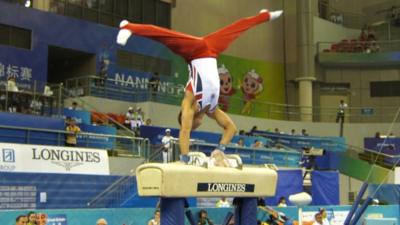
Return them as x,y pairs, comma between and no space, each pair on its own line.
200,159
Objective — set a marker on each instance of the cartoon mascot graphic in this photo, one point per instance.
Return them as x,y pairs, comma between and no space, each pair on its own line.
226,88
252,86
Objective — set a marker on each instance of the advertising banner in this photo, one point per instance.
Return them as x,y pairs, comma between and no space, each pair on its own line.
334,217
52,159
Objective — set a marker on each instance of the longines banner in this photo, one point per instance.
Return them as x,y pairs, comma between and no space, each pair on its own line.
52,159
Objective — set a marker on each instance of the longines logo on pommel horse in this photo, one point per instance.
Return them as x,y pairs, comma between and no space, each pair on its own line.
174,182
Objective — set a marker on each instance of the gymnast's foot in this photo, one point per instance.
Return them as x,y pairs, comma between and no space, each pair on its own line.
273,15
123,34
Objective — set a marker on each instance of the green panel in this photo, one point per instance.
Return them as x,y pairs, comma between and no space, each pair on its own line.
359,169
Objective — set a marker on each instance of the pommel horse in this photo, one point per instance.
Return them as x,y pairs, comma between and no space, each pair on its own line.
174,182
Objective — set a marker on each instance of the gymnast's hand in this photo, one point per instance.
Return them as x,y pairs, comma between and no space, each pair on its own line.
219,158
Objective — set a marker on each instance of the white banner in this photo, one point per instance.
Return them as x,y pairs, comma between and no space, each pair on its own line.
52,159
397,175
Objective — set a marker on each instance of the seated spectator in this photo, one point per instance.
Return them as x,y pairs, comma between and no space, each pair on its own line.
378,135
242,132
304,132
101,221
293,132
276,130
240,143
47,91
156,219
324,216
41,219
260,201
318,219
74,106
257,144
148,122
21,220
282,202
31,218
36,106
71,137
253,129
203,218
12,84
223,203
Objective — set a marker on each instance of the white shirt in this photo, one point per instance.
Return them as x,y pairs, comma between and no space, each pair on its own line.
166,141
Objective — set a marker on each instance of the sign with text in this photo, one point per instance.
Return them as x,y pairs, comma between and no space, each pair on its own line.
52,159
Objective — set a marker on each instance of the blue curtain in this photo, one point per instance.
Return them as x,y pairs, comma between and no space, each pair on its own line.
325,187
289,182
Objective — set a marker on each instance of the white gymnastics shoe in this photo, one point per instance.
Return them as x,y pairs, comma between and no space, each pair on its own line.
123,34
275,14
263,11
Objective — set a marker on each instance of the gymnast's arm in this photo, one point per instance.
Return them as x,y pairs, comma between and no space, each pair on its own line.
226,123
186,122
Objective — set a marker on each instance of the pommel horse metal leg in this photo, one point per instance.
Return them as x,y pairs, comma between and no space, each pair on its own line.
245,211
172,211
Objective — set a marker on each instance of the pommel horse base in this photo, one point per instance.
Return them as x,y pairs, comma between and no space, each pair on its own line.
174,182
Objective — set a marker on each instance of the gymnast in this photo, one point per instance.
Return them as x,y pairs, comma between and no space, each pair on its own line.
203,87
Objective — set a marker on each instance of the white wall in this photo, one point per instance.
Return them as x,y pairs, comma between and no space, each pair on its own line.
264,42
325,31
166,115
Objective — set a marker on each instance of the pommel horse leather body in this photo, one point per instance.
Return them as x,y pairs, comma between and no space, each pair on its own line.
179,180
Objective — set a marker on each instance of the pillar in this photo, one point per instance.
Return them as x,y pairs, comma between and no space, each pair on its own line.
305,56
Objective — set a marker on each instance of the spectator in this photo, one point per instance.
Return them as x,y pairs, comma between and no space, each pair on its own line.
139,117
21,220
293,132
378,135
260,201
223,203
240,143
41,219
203,218
318,219
167,146
101,221
156,219
324,216
154,82
340,113
31,218
148,122
74,106
282,202
47,91
36,106
257,144
73,129
242,132
276,130
129,118
304,132
253,129
12,84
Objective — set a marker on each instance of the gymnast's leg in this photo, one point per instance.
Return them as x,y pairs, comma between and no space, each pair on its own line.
221,39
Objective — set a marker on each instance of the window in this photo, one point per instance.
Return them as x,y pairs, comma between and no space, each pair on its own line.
384,88
15,36
111,12
143,63
163,15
